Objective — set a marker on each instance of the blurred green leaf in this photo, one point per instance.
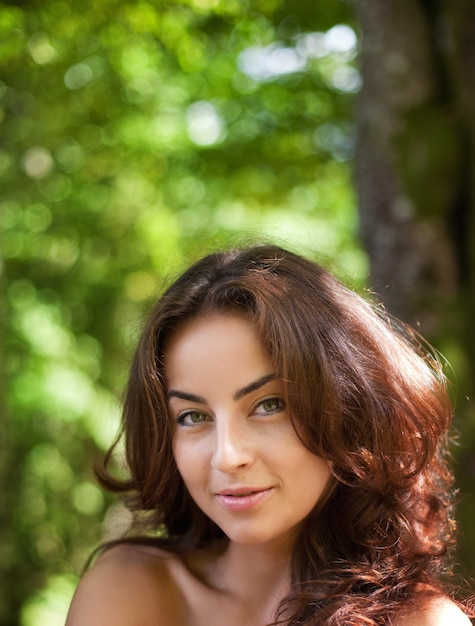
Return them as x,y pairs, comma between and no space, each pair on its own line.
137,136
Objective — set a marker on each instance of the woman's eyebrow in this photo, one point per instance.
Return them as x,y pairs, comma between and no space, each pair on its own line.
254,386
183,395
240,393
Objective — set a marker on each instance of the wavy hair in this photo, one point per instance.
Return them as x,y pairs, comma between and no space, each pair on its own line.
364,393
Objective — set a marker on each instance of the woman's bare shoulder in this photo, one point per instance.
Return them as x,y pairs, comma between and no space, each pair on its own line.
128,584
439,612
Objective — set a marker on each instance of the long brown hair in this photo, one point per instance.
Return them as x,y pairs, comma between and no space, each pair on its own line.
364,393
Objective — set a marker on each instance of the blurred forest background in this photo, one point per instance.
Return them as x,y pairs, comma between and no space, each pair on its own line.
136,136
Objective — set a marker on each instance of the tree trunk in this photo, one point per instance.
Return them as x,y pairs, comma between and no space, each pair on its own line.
415,179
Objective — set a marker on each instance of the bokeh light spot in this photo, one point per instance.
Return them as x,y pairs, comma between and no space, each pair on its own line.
37,162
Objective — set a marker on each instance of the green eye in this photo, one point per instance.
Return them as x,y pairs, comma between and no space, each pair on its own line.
270,406
191,418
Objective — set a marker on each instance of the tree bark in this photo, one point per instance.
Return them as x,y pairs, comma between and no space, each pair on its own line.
407,163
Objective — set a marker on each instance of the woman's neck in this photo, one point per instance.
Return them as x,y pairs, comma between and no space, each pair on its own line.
259,576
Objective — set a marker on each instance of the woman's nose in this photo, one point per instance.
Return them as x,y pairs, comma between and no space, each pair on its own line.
233,449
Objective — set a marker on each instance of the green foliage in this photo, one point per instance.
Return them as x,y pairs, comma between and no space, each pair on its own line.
137,136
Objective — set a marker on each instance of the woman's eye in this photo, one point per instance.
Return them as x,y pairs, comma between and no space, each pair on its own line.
269,406
191,418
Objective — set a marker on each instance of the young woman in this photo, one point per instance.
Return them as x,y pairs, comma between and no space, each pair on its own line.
285,443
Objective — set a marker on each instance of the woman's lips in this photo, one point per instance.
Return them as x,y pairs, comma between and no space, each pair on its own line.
240,500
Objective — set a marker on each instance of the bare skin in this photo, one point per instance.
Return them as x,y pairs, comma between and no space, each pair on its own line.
142,586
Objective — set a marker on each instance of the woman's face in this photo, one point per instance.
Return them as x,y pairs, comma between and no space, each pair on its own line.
234,443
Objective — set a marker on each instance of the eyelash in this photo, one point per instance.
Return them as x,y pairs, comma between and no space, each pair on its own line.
182,417
278,401
279,405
